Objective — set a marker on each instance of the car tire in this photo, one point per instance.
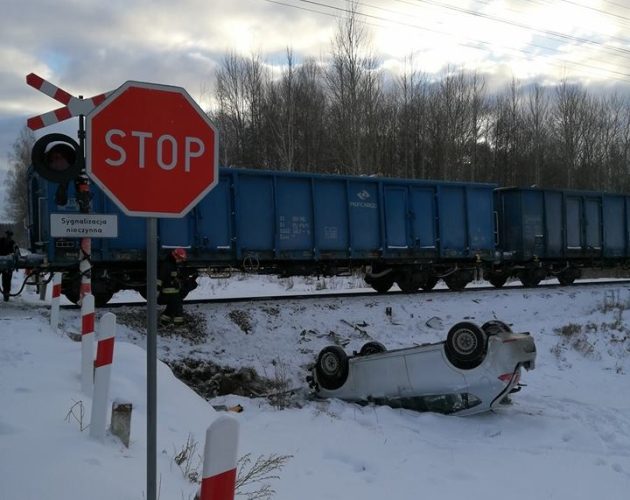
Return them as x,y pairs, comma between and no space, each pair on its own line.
331,367
495,326
465,345
371,348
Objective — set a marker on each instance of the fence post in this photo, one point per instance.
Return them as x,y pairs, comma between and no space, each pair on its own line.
219,462
87,344
54,302
102,374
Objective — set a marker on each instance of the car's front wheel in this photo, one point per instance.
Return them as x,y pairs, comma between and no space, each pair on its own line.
331,367
465,345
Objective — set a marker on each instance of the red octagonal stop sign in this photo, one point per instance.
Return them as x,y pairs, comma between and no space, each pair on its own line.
152,149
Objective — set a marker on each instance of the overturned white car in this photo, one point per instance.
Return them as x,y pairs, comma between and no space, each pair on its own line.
473,370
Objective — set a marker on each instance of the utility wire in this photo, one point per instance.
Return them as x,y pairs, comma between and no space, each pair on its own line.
550,33
595,9
620,76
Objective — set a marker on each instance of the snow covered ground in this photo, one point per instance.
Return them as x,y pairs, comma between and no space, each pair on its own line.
565,436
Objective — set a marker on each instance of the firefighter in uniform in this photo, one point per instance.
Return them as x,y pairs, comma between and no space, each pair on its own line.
7,247
170,287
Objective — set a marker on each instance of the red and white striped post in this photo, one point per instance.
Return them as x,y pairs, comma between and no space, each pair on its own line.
87,344
102,374
219,462
85,268
54,302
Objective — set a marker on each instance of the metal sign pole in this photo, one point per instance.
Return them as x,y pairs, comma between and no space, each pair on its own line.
151,357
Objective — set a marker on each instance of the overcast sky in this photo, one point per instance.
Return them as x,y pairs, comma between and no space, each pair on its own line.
88,47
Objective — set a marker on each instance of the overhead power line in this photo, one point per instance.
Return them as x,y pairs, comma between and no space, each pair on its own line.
549,33
369,19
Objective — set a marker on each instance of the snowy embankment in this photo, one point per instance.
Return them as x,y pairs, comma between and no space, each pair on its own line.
566,435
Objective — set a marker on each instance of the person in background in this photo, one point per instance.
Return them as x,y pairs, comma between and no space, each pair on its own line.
7,247
170,287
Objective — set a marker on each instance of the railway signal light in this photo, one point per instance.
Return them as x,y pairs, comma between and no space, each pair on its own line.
57,158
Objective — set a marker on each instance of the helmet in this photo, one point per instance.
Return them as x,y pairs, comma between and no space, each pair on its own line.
179,254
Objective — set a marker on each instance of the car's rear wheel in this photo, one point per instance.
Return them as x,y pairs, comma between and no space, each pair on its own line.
495,326
371,348
331,367
465,345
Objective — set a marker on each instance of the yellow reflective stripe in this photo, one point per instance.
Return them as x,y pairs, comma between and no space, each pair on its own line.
170,290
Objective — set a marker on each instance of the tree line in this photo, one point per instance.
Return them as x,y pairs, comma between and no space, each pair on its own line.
348,116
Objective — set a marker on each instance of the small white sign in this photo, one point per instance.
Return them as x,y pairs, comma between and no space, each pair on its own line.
83,226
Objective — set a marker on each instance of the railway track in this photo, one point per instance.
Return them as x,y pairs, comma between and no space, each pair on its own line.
366,293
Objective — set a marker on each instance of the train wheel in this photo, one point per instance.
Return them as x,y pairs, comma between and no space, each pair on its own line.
455,283
529,279
565,280
102,291
71,287
497,280
382,285
429,284
72,294
408,284
567,277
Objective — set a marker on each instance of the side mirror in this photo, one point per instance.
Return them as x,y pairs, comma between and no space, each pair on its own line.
57,158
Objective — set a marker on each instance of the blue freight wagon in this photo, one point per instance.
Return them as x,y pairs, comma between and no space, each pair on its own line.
545,232
408,232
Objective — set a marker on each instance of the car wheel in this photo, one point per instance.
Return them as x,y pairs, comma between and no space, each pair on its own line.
371,348
465,345
495,326
331,367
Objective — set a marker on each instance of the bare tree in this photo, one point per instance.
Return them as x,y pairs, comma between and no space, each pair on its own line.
478,115
567,125
409,101
452,124
536,130
232,112
312,131
16,203
353,84
280,112
256,142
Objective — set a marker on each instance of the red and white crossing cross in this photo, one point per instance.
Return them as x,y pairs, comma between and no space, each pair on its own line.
73,105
